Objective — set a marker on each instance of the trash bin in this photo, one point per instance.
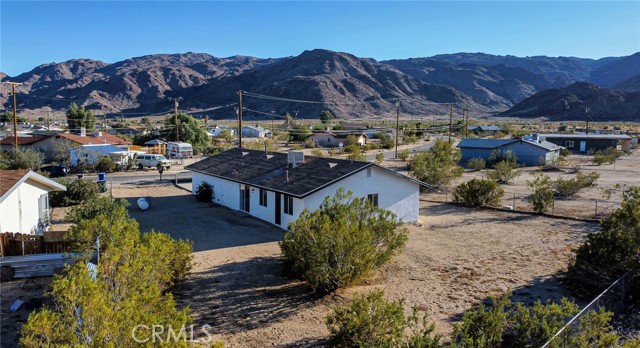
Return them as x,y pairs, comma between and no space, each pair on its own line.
103,186
102,176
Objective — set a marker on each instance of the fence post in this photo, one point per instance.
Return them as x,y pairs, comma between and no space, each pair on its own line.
513,206
596,215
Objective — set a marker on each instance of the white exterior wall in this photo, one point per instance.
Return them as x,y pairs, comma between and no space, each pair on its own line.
395,193
19,212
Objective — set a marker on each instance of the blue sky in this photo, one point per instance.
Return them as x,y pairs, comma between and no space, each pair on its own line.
34,33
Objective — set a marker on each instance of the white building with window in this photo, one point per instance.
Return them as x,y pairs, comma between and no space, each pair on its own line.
277,187
24,201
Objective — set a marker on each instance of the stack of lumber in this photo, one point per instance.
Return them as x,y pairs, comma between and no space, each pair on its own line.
36,265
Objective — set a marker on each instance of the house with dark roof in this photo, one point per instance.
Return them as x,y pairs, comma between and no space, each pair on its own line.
277,187
583,143
528,153
334,138
24,201
485,130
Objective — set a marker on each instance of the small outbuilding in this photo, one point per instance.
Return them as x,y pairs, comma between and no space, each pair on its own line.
528,153
277,187
584,143
24,201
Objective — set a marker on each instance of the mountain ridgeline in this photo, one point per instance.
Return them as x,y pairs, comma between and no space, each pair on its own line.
349,86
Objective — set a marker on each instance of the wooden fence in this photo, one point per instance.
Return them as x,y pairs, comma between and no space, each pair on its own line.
14,244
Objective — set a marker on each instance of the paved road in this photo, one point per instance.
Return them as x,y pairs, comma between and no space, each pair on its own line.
152,175
420,148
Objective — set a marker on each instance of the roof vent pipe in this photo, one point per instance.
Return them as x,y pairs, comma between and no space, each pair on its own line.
286,175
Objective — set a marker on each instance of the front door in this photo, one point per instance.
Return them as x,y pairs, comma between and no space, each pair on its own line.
278,209
245,197
583,146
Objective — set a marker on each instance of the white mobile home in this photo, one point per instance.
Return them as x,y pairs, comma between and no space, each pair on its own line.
24,201
277,187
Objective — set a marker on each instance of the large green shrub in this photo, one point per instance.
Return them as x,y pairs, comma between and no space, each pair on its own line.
541,198
22,159
371,321
504,172
78,191
403,154
476,164
570,187
105,164
477,193
341,242
606,156
438,166
497,156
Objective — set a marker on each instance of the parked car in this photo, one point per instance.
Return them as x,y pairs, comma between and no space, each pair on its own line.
55,171
152,161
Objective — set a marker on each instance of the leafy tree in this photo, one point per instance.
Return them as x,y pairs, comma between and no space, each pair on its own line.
607,255
504,172
105,164
78,117
386,140
438,166
7,117
22,159
300,132
541,198
341,242
78,191
191,131
478,193
372,321
326,116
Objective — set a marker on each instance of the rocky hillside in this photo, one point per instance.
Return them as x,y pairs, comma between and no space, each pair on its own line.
347,85
570,103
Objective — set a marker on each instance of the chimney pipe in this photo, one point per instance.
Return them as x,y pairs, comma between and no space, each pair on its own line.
286,174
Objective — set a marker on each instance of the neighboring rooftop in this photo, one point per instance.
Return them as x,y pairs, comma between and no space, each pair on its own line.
256,168
103,138
585,136
496,143
21,140
10,179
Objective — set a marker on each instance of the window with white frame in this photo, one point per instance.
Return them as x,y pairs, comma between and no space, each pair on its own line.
288,204
373,199
568,143
43,210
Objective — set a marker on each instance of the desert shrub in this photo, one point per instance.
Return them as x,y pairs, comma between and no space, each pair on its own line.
309,143
105,164
379,157
497,156
438,166
296,146
541,198
564,152
477,193
476,164
356,156
606,156
409,139
78,191
574,168
482,327
204,192
353,148
371,146
570,187
97,206
372,321
341,242
22,159
607,255
316,152
504,172
403,154
386,141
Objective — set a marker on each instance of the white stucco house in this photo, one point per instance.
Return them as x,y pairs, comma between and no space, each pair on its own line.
334,138
277,187
24,201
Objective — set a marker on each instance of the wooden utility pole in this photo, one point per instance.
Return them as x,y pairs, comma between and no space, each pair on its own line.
586,117
397,124
175,105
466,121
240,119
49,120
15,116
450,121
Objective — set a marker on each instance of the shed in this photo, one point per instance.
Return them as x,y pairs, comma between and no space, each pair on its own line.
528,153
583,143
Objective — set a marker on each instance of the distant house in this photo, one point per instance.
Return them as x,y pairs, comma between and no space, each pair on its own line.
130,130
485,130
24,201
583,143
255,132
277,187
529,153
334,138
90,154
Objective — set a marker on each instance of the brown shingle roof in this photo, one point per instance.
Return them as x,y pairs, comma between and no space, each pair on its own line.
105,138
8,178
21,140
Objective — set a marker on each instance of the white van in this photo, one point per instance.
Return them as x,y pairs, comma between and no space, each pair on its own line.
152,161
179,150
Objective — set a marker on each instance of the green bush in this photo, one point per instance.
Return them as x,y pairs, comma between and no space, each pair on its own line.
403,154
204,192
353,148
570,187
504,172
316,152
564,152
341,242
477,193
23,159
96,206
541,198
371,321
357,156
607,156
438,166
498,156
105,164
476,164
78,191
379,157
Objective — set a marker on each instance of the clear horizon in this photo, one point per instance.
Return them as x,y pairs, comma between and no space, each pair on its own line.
35,33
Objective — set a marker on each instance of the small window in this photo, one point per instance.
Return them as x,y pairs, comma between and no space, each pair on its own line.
263,197
568,143
328,140
288,204
373,199
43,207
368,172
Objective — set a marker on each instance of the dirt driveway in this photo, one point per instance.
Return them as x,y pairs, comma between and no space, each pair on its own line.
455,258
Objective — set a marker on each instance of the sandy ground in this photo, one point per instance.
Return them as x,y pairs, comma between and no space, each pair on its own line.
455,258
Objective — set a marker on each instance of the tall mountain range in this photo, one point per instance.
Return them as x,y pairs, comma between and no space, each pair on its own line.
347,85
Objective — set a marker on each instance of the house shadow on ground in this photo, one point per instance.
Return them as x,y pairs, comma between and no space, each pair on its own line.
206,225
